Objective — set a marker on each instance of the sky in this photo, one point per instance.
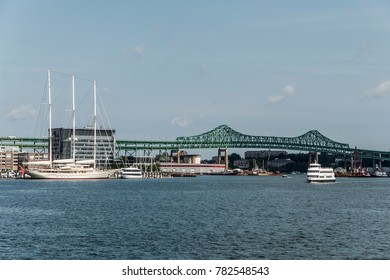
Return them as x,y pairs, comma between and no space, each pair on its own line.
180,68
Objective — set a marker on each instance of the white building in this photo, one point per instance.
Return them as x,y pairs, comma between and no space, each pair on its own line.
197,168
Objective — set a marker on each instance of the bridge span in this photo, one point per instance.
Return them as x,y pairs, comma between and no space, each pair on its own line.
220,137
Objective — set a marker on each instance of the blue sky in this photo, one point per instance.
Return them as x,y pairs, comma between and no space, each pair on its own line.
180,68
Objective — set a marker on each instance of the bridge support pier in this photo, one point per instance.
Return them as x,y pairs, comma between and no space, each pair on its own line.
225,156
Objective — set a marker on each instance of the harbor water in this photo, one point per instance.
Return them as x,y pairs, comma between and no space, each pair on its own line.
207,217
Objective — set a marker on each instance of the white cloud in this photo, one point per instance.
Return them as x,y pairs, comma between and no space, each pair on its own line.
21,113
288,90
276,98
279,97
380,91
139,49
180,121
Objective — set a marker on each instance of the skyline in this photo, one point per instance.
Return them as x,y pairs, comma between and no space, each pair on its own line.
181,69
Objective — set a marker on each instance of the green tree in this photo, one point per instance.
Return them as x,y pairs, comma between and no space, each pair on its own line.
232,158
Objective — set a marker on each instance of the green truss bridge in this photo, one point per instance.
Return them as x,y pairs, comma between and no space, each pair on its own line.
225,137
221,137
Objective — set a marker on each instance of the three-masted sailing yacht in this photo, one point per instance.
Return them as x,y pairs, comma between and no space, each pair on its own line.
64,169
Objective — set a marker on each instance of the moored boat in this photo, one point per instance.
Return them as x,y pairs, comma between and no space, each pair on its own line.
379,173
67,169
68,173
131,172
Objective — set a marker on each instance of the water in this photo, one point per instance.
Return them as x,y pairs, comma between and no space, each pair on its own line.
208,217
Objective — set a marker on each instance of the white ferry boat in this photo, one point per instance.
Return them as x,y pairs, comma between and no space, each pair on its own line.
316,173
131,173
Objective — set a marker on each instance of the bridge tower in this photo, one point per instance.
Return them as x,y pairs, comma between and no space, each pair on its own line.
225,157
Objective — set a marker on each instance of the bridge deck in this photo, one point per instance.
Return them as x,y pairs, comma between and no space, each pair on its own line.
221,137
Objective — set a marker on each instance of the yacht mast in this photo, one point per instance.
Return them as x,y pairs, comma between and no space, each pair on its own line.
94,124
50,124
74,122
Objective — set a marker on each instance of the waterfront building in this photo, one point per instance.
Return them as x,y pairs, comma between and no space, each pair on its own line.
194,159
9,157
191,168
263,154
241,163
279,163
32,156
84,142
181,162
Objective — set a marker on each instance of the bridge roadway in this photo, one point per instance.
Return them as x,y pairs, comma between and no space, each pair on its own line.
220,137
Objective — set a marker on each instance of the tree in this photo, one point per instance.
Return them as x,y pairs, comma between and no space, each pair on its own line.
234,157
